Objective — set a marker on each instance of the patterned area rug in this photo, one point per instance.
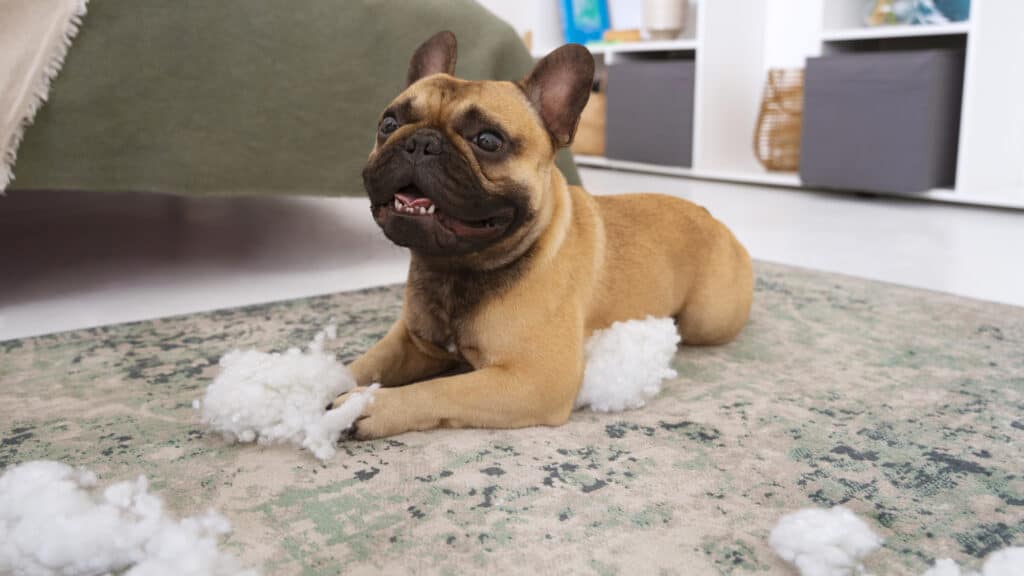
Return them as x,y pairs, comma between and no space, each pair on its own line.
904,405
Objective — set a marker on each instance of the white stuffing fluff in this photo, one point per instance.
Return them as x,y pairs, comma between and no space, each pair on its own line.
273,398
1005,562
945,567
55,520
626,364
833,542
823,542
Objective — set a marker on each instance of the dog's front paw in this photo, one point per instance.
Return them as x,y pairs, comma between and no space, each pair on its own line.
386,415
342,398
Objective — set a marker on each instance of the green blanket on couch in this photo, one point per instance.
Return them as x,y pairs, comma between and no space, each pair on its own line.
242,96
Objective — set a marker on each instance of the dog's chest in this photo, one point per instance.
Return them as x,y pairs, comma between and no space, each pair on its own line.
442,306
439,309
437,332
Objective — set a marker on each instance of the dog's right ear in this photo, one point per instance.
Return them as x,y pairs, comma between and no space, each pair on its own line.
435,56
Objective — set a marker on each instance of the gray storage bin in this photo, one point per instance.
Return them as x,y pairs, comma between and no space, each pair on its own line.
650,111
884,121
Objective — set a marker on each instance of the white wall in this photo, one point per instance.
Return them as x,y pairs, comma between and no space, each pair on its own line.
544,18
519,14
539,16
792,32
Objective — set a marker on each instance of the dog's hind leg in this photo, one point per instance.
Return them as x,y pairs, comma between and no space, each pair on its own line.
718,306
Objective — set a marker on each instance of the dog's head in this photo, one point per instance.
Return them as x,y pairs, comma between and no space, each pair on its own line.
463,167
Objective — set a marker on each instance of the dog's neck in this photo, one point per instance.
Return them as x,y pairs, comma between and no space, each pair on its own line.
449,294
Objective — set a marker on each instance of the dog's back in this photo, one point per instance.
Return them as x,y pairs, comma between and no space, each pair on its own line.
671,254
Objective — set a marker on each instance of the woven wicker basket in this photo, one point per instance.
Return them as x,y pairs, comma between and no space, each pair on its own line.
777,138
590,133
591,130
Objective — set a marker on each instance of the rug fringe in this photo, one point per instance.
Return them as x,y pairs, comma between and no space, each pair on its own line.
40,91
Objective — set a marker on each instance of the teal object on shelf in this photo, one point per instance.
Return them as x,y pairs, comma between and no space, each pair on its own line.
584,20
925,12
955,10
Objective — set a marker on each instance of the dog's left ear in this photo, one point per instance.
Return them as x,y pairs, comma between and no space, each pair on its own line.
435,56
559,87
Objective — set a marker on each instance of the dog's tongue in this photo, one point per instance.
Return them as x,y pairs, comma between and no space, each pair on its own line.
413,200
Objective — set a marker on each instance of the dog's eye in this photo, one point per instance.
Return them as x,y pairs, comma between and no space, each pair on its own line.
488,141
388,125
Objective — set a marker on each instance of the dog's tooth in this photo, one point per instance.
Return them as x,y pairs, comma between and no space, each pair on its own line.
398,203
430,210
422,210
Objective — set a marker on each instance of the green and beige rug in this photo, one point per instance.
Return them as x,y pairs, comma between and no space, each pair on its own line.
906,406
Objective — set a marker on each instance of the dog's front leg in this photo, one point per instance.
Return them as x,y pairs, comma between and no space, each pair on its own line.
493,397
396,360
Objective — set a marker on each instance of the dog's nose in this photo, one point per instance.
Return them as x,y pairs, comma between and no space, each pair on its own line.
423,143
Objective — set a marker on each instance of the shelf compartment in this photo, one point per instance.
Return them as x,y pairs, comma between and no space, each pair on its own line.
679,45
882,121
789,179
650,111
891,32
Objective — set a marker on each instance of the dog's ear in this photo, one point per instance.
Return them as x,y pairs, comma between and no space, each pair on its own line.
559,87
435,56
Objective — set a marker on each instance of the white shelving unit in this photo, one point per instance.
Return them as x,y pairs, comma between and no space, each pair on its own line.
725,39
991,145
735,42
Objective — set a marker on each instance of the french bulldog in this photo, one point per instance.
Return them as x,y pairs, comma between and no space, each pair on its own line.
511,268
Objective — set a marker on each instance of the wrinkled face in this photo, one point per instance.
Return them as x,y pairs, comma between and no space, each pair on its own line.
463,167
458,166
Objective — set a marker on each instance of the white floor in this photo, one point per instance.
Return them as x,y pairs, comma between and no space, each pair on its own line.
70,261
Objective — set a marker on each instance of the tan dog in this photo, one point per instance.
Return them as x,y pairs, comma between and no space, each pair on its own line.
512,269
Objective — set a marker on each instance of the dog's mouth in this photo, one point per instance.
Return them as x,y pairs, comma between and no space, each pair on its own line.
410,202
